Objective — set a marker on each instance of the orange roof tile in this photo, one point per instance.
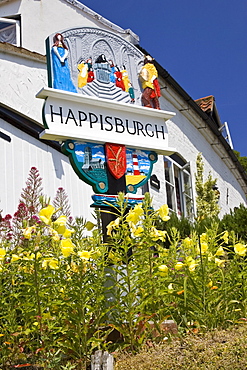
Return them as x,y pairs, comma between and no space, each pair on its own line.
206,104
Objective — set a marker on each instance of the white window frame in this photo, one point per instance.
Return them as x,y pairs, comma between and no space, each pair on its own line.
10,23
178,190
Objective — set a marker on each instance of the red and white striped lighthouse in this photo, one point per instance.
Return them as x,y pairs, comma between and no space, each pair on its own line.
135,165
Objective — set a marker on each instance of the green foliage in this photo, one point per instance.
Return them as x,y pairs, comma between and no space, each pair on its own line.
207,197
63,292
236,221
242,160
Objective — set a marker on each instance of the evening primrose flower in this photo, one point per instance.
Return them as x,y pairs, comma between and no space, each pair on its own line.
68,233
112,225
15,257
27,233
84,255
219,262
220,252
55,235
203,238
191,263
225,237
46,214
204,248
210,284
187,242
74,267
163,270
2,253
179,266
135,214
52,263
192,266
138,231
67,247
163,212
60,224
240,249
158,234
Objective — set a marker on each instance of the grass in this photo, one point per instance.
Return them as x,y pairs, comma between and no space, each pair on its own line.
225,349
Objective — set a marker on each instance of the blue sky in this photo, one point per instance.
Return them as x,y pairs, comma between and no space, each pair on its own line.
203,45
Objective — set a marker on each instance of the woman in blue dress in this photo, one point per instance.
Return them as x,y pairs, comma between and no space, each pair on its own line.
61,71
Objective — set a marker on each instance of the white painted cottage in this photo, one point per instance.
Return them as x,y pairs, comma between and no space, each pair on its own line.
194,127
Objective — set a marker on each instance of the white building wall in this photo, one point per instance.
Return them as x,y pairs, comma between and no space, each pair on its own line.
22,76
49,16
24,152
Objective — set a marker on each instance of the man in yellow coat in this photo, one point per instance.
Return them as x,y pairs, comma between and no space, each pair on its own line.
151,90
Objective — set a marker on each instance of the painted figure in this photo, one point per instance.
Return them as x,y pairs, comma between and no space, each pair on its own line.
83,73
119,78
127,84
90,76
112,75
61,71
150,85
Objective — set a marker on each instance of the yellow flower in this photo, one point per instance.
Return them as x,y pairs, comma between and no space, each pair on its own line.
240,249
210,284
179,266
27,233
220,252
55,235
135,214
191,263
163,270
204,248
187,242
84,255
163,212
203,238
2,253
138,231
219,262
74,267
53,264
46,214
68,232
192,266
60,224
67,247
225,237
154,233
112,225
15,257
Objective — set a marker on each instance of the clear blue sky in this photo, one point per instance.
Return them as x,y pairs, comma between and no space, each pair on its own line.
203,45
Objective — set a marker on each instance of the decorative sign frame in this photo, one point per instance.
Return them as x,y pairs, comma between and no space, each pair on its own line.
93,107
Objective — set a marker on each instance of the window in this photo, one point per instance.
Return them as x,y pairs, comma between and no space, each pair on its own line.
178,185
10,31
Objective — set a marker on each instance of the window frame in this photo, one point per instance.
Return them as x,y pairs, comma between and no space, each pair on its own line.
15,20
180,197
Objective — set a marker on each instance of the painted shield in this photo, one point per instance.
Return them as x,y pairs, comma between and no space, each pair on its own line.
116,159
